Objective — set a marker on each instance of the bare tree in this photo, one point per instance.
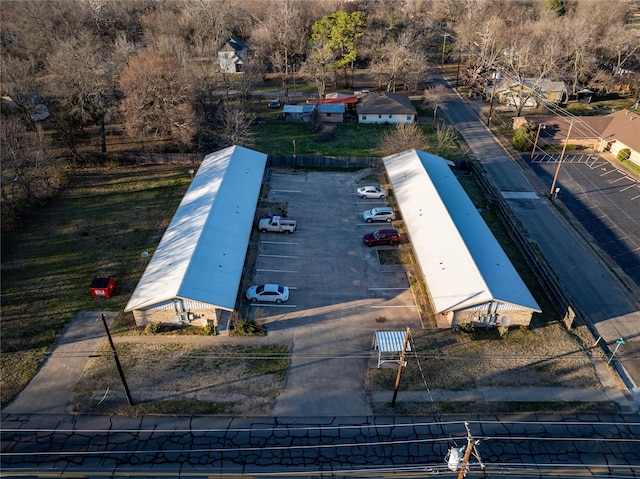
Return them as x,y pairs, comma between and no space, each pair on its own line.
281,38
402,137
235,123
159,97
446,143
434,98
534,54
83,80
318,68
29,172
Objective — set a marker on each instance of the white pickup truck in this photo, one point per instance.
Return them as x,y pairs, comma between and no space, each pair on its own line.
277,224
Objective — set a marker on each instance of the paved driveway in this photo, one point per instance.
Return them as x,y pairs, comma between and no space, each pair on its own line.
339,293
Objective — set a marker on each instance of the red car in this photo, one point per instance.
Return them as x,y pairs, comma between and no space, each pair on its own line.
390,237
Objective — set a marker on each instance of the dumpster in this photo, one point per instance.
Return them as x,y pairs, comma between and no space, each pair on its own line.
102,287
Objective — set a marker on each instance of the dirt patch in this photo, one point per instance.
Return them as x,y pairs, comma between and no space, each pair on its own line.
178,378
445,359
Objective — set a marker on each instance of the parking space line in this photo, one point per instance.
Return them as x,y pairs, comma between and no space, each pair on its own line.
260,270
278,256
384,289
627,187
607,172
273,305
621,178
635,197
278,242
286,191
388,306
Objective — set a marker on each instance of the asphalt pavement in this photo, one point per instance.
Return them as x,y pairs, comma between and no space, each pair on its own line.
602,300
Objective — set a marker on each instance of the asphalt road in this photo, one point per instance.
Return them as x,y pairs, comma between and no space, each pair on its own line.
602,299
517,446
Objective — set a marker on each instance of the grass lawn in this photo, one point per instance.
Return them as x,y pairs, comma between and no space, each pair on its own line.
97,226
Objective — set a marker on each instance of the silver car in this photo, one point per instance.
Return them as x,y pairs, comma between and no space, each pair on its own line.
372,192
383,213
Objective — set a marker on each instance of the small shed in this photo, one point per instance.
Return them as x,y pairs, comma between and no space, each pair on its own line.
389,345
331,112
298,112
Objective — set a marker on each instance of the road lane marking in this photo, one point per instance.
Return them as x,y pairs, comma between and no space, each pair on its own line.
277,256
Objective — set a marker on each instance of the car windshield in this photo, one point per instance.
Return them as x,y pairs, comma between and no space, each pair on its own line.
260,289
280,289
376,234
374,211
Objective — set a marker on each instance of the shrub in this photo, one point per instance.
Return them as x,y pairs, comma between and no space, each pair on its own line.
524,137
624,154
209,329
152,328
246,327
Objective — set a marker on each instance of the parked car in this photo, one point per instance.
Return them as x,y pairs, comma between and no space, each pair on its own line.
380,237
271,293
372,192
384,213
274,104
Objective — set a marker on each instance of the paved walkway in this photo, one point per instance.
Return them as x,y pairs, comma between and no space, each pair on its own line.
51,390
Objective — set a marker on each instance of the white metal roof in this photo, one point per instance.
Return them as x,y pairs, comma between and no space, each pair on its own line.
462,261
201,254
391,341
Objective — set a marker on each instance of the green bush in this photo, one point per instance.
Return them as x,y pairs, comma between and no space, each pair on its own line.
209,329
152,328
246,327
524,137
624,154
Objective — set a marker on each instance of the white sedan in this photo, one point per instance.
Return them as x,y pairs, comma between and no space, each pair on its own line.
372,192
268,293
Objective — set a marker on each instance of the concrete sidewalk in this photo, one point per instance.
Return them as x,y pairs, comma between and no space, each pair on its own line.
51,389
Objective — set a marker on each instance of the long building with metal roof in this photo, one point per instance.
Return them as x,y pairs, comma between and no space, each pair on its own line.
196,270
468,275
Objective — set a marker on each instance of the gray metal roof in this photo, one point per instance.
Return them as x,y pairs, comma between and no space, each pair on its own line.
463,263
201,254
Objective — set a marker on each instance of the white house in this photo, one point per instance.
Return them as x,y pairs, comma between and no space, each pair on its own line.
232,56
385,108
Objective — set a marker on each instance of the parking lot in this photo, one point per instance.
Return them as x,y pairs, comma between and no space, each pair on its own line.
605,200
340,294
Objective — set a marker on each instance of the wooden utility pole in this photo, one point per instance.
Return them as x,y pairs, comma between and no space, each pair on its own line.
535,143
115,357
493,91
470,447
402,357
555,176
